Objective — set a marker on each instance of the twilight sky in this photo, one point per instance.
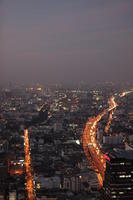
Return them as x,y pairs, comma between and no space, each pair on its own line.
66,40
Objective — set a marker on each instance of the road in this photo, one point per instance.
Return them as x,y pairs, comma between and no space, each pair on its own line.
125,93
112,104
29,178
91,146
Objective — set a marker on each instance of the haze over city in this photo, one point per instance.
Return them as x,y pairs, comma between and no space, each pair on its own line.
66,41
66,100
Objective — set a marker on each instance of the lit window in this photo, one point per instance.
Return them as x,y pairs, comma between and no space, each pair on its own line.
121,192
113,196
125,176
38,185
122,163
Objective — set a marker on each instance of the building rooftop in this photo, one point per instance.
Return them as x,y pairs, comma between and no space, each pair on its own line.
119,153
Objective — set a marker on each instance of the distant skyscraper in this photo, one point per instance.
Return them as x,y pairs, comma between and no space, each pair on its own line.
118,182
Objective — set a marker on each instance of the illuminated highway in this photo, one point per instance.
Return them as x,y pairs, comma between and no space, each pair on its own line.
109,121
112,104
91,146
29,178
125,93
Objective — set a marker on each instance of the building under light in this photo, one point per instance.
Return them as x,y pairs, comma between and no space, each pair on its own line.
118,182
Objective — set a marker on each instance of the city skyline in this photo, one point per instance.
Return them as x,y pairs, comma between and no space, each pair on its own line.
66,93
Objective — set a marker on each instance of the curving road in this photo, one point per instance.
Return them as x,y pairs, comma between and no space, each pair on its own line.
91,146
112,104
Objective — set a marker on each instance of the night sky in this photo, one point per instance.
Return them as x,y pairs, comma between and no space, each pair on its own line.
66,41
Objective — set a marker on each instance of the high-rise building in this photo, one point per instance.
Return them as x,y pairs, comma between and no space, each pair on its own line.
118,181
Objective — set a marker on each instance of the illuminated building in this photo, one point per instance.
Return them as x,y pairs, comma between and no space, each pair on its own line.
118,182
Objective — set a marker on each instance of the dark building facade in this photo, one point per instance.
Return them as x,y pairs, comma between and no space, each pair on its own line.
118,182
3,175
